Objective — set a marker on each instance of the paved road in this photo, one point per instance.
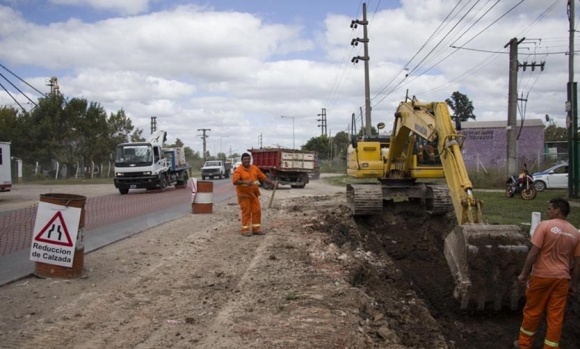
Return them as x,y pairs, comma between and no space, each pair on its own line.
168,205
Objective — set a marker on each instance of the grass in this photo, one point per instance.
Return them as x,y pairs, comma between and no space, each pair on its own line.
497,209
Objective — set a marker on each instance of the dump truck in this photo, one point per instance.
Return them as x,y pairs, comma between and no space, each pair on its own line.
149,165
424,145
286,166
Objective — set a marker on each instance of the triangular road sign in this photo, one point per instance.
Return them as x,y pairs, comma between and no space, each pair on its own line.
55,232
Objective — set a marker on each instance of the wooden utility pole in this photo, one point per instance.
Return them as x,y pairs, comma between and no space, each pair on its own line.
203,130
365,58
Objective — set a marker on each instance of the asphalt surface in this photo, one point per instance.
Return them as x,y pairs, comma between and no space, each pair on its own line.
18,265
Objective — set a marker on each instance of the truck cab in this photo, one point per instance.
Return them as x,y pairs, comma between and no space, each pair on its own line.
147,165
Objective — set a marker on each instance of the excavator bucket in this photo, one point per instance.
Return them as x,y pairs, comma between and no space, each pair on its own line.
485,261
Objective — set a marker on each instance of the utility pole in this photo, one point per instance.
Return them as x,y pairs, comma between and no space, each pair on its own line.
53,83
260,140
153,124
512,161
365,58
203,137
323,124
572,111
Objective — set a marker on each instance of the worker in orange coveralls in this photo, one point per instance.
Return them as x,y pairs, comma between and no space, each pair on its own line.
555,247
246,179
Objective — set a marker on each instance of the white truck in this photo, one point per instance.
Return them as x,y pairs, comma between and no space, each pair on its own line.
148,165
5,167
216,168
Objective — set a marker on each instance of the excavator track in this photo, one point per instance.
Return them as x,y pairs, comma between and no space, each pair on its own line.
437,200
364,199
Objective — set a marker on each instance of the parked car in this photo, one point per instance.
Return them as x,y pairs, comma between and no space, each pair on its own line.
555,177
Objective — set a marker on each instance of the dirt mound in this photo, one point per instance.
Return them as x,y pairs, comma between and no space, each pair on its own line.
411,283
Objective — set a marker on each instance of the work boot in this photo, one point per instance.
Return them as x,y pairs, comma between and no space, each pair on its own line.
246,233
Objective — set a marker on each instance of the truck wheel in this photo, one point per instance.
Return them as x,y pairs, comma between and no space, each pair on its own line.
162,182
123,191
183,183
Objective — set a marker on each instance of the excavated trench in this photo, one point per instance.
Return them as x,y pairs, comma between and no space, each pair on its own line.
411,243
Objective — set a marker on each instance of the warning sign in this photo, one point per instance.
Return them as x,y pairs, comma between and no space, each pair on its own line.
55,234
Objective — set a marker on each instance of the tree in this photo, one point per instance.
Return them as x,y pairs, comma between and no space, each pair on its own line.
553,133
320,144
461,106
340,143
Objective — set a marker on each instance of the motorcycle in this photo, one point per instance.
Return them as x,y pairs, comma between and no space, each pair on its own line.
522,184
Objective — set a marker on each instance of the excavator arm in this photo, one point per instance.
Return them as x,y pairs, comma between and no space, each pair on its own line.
432,122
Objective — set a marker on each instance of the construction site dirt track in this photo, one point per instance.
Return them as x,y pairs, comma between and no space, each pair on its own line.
319,279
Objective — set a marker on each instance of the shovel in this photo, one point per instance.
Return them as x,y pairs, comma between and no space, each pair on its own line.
273,192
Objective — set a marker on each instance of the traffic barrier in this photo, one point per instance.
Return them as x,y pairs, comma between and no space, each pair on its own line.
202,196
45,270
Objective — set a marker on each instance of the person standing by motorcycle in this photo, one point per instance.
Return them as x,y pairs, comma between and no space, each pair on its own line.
523,176
555,246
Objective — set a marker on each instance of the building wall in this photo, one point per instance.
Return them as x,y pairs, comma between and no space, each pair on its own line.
488,145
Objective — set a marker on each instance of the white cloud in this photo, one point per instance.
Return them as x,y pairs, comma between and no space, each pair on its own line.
237,73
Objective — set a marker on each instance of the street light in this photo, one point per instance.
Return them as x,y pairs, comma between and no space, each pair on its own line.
293,135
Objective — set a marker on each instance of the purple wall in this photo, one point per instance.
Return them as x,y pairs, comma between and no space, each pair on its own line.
489,145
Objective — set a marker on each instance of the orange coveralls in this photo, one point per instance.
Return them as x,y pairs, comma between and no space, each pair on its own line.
249,197
559,242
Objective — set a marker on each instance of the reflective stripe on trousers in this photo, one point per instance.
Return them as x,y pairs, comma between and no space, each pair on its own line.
544,294
251,213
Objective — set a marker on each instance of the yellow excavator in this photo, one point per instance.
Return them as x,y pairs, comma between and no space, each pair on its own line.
424,145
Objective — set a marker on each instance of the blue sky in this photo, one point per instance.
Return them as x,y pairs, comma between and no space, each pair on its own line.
237,66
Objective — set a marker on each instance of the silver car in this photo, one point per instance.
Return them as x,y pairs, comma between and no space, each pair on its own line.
556,177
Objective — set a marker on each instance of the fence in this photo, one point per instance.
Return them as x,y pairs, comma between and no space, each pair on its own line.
16,226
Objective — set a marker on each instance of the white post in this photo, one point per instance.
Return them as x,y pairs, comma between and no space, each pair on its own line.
536,219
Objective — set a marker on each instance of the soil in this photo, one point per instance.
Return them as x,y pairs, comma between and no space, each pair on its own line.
319,278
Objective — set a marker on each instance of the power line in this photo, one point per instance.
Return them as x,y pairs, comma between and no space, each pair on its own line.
418,51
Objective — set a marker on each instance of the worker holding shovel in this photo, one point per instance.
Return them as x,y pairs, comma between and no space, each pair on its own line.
247,178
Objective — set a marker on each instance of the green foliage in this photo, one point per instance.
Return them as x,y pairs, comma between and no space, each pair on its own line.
73,133
553,133
461,106
333,166
373,131
340,143
320,144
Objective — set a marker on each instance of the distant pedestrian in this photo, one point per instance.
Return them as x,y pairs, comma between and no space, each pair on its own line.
247,178
555,252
